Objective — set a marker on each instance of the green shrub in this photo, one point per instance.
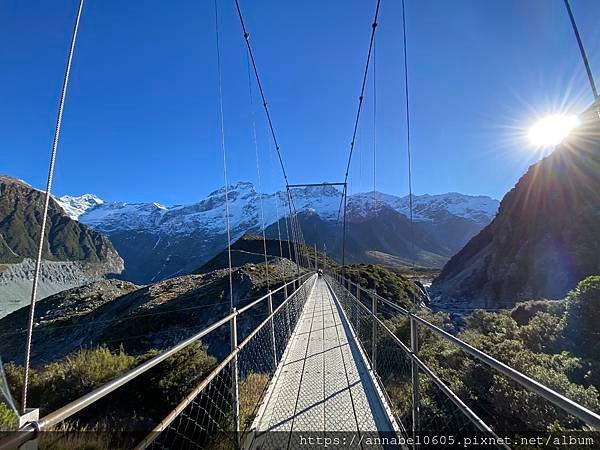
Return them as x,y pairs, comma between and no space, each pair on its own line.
543,333
158,391
533,340
8,419
523,312
153,394
62,381
389,285
583,317
252,389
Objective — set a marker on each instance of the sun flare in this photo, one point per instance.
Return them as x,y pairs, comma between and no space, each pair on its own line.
552,130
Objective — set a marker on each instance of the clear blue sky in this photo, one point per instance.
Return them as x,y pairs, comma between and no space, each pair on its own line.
141,120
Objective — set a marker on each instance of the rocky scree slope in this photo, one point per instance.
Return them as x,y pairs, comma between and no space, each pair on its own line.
139,318
73,253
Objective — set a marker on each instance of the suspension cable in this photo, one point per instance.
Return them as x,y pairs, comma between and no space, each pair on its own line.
262,213
223,151
276,198
265,107
279,234
410,195
584,57
260,88
287,233
361,98
374,120
38,262
293,229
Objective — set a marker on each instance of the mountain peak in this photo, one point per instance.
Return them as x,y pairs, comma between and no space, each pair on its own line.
240,186
75,206
324,190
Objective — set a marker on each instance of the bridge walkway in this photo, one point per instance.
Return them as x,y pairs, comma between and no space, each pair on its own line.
323,383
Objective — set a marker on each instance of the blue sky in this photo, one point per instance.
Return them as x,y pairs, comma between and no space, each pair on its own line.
141,120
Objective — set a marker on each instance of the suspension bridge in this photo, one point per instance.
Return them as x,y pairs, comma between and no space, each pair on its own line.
325,359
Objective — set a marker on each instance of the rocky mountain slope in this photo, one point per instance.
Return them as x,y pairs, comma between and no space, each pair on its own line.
159,242
249,249
139,318
384,236
115,313
74,253
546,236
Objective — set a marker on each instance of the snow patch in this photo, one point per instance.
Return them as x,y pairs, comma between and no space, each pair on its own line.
76,206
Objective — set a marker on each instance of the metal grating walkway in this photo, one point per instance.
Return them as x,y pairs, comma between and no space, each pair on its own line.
322,384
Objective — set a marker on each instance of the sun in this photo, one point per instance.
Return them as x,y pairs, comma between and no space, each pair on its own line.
552,130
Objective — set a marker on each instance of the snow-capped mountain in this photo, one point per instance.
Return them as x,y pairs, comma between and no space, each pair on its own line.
157,241
76,206
245,209
427,208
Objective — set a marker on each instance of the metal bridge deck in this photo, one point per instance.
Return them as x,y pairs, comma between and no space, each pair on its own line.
323,384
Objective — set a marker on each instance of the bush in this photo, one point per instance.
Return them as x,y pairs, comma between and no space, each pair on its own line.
583,317
62,381
543,333
8,419
252,389
391,286
158,391
537,345
523,312
153,394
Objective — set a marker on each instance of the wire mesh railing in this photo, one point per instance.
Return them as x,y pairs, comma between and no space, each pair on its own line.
220,411
425,400
205,404
417,400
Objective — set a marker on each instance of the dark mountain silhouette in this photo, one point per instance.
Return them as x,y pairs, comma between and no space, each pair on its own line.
546,236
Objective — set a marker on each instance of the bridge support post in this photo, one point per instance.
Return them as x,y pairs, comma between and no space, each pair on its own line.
416,399
374,333
287,307
235,393
270,311
30,415
358,321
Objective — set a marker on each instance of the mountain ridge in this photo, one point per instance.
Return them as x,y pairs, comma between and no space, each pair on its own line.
159,242
96,212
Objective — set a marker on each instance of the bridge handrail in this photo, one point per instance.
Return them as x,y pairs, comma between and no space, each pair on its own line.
29,430
218,369
475,419
559,400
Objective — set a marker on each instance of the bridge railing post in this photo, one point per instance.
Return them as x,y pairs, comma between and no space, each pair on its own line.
270,311
287,311
358,320
416,399
374,333
235,394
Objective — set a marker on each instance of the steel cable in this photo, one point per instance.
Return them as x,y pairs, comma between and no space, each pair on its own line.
38,262
223,150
